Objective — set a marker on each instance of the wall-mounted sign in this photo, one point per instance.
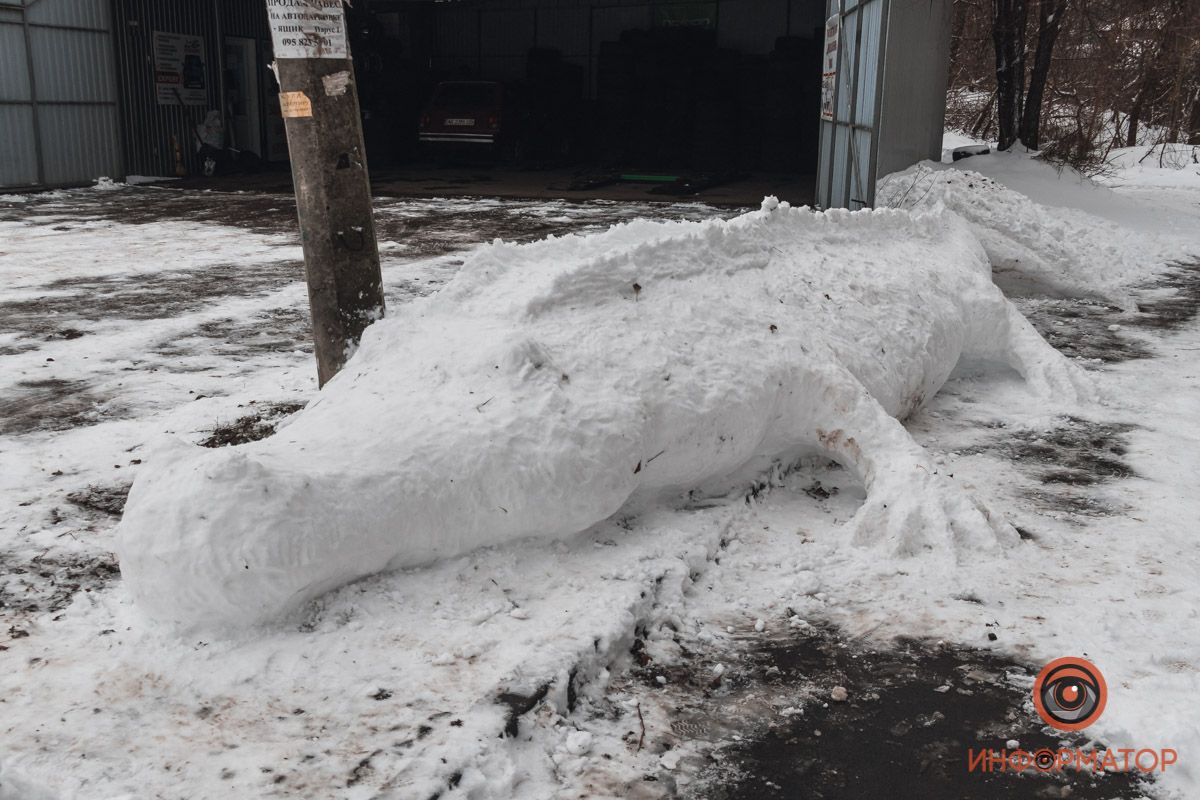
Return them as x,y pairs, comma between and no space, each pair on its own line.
833,35
308,28
180,75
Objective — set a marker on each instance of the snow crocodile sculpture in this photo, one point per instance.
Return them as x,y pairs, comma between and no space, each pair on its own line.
550,384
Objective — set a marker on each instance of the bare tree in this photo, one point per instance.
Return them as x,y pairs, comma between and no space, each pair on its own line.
1009,19
1051,15
1076,78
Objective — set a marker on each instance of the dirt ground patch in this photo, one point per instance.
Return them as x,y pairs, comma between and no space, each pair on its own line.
910,716
46,584
252,427
1181,306
102,499
1075,452
1088,329
52,404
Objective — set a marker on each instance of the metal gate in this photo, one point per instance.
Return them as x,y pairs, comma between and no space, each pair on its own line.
856,31
58,96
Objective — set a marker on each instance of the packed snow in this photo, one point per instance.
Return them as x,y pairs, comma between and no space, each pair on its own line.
550,385
401,685
1167,165
1076,235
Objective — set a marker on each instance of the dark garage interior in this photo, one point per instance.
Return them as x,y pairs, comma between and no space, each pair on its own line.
701,86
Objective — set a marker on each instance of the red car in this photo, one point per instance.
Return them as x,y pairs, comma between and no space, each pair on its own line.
467,113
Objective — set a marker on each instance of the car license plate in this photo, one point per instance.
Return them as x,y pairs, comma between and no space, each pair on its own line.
460,121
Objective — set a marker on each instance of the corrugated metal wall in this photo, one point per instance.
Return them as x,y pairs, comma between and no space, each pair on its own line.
58,96
849,143
152,130
914,95
894,60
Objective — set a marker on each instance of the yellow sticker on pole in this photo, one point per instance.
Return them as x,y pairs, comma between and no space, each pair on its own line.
295,104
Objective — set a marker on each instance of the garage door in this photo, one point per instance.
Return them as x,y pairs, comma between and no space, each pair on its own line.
58,100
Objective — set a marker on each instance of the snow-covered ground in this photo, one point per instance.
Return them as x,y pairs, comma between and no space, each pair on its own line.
119,328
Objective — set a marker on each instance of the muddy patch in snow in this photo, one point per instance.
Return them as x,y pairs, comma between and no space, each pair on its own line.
52,404
47,583
251,427
1177,308
272,331
108,500
1076,452
146,205
71,303
1084,329
1066,461
1096,332
831,718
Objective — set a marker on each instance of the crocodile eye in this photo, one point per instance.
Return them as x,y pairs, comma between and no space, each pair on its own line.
1069,694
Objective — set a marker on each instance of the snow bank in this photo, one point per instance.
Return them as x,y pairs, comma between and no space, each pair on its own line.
1170,165
1056,230
552,384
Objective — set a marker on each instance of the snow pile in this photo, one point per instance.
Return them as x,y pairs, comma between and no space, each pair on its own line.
1053,230
1170,165
552,384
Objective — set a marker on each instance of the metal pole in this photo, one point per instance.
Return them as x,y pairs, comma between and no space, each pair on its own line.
329,167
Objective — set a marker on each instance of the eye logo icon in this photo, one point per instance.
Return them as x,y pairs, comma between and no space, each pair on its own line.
1069,694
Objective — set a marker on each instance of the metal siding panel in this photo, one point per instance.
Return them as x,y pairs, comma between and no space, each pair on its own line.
847,65
868,61
14,67
76,13
72,65
849,144
79,143
914,94
840,192
18,158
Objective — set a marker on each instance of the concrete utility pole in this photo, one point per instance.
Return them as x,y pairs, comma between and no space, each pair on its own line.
329,168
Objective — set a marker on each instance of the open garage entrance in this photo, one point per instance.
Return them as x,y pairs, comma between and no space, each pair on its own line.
703,92
727,100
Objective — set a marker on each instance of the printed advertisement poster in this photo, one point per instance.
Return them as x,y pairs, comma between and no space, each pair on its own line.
180,74
833,34
308,28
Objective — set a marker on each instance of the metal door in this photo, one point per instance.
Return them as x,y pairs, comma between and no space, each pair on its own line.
856,35
58,98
